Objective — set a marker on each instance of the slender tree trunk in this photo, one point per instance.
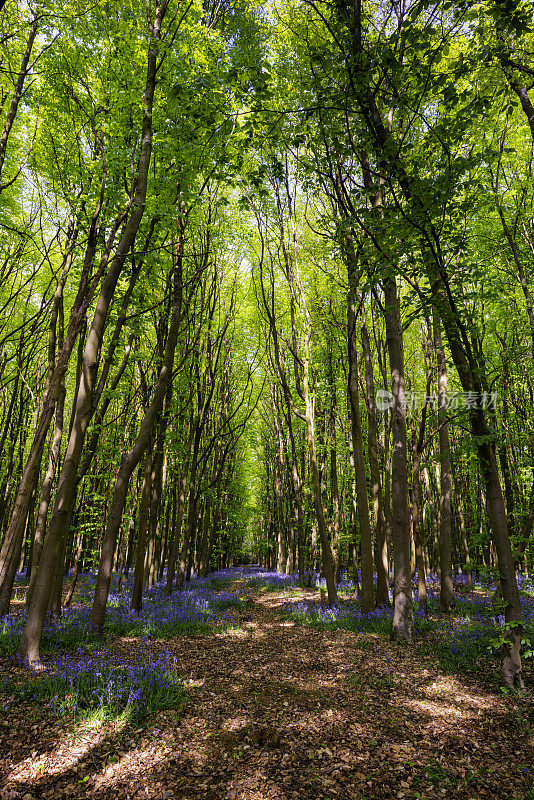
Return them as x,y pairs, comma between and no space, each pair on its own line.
202,553
17,96
6,587
432,515
446,597
131,529
191,511
46,491
527,524
334,483
403,602
326,550
296,478
416,530
381,554
56,594
278,486
154,548
102,588
367,587
177,524
29,646
353,522
417,449
463,540
77,562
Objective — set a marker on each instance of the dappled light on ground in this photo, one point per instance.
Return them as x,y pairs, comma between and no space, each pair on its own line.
66,755
278,710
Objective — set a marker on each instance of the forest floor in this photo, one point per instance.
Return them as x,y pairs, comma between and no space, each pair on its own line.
277,710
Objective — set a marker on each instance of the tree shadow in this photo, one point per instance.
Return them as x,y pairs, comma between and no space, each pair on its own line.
277,713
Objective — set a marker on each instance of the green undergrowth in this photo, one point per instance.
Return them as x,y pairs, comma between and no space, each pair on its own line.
69,640
274,586
99,687
155,630
217,584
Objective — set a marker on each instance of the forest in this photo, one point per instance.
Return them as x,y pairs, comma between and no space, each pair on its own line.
266,394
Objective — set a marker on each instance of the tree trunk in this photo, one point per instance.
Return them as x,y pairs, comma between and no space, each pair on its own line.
416,530
326,550
446,596
278,487
367,586
400,528
192,499
381,554
177,522
17,96
29,646
102,588
77,562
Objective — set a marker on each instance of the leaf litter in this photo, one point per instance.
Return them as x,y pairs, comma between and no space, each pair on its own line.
278,710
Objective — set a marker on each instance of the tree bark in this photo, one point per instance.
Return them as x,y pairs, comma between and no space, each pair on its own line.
136,603
278,487
177,522
381,554
29,646
334,481
326,550
400,528
418,440
367,586
446,596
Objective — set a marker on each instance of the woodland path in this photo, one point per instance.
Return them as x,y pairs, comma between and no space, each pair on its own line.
279,711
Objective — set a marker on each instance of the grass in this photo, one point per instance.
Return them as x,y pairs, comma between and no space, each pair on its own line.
102,686
85,678
273,582
232,600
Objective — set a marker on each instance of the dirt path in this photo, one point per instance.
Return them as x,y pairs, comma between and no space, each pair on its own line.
278,711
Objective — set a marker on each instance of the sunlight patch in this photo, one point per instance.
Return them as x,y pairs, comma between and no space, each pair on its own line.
66,755
435,709
453,690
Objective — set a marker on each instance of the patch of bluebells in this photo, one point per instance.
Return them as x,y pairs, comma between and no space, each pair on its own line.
105,685
195,609
345,615
271,581
101,683
346,585
225,599
189,610
462,638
